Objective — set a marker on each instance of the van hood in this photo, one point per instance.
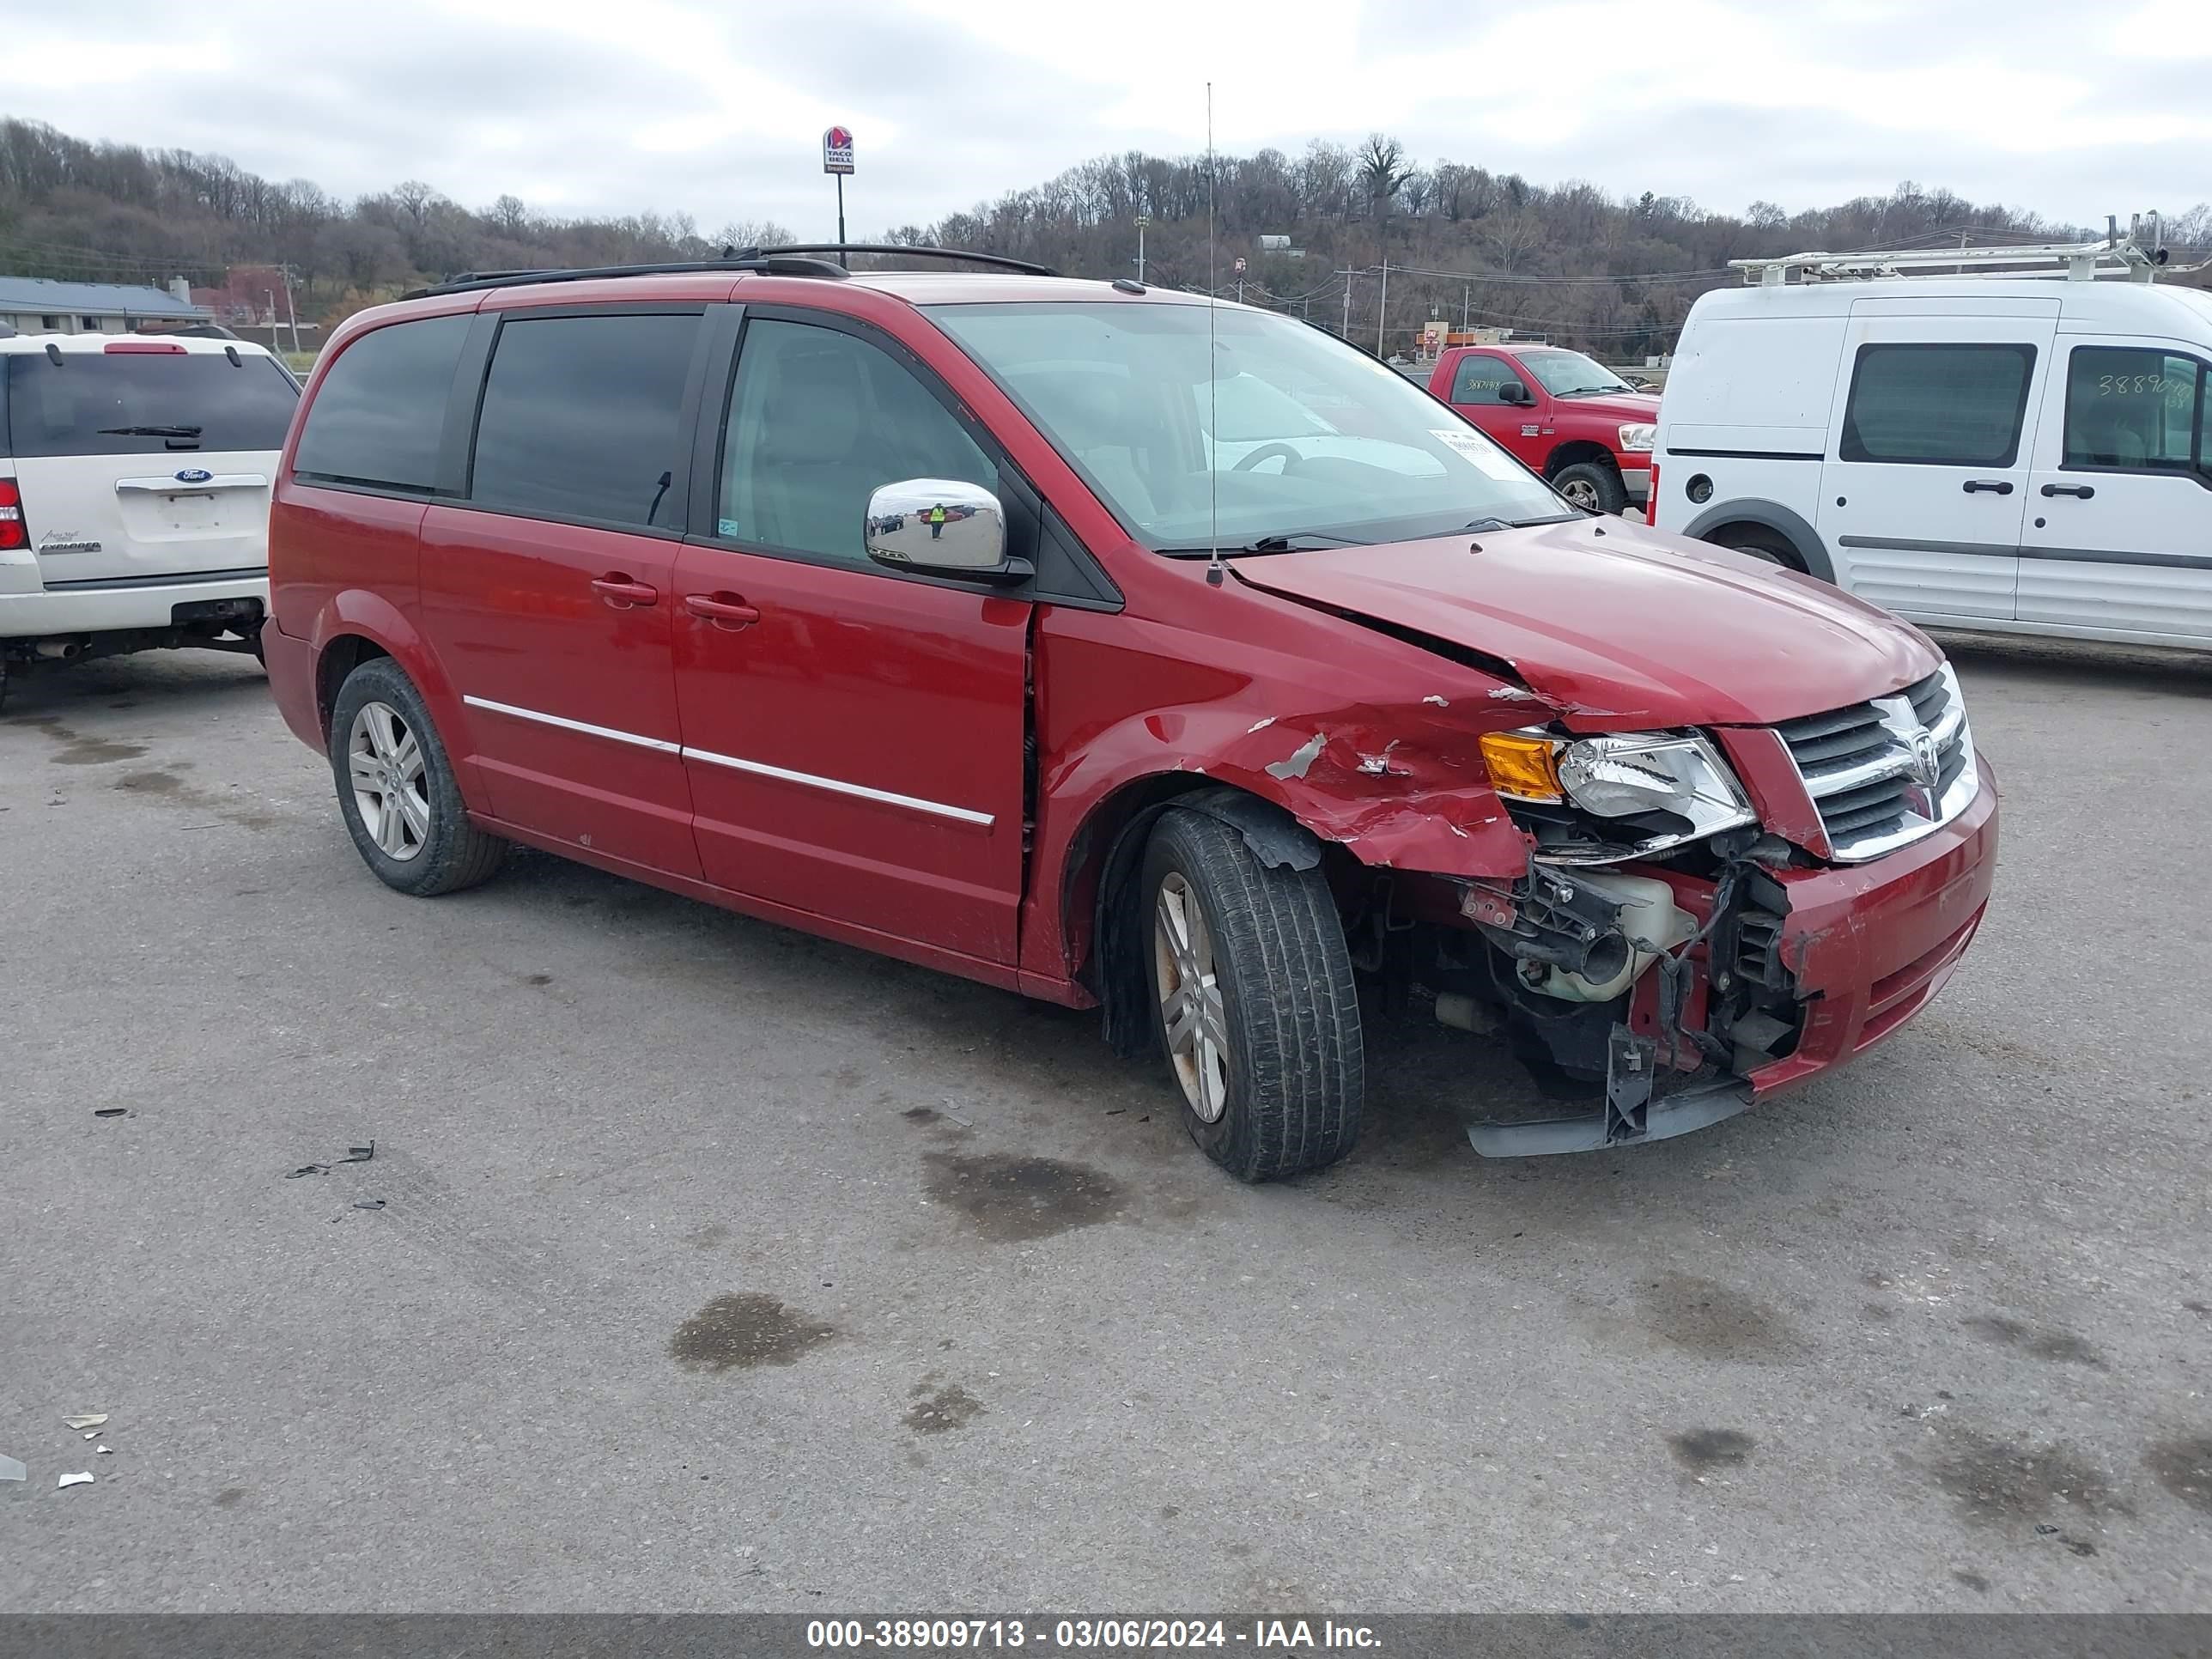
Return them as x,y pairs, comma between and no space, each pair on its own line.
1616,626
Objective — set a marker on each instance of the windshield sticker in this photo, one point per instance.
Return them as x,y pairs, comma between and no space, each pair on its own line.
1480,450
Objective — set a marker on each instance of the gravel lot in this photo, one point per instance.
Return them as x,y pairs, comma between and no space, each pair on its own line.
723,1268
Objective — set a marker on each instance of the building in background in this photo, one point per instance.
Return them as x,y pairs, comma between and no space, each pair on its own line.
254,303
34,305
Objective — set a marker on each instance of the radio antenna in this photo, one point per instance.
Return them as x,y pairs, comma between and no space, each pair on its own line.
1213,565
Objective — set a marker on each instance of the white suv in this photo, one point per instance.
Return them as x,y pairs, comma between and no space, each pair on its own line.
134,493
2017,455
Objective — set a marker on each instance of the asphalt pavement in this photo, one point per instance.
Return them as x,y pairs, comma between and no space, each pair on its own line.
719,1268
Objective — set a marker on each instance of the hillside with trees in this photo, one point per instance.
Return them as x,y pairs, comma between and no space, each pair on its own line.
1614,275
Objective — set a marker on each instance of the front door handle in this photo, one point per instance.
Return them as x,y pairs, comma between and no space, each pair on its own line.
727,611
619,590
1995,486
2083,490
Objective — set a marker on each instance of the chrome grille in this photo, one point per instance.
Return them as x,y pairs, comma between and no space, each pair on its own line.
1883,773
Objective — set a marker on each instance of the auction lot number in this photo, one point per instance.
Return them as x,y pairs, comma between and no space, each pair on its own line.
1070,1633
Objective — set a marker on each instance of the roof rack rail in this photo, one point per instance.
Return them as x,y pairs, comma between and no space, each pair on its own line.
771,264
793,261
2138,256
1028,268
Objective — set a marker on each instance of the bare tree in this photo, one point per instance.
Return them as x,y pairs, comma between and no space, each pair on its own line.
751,232
1383,171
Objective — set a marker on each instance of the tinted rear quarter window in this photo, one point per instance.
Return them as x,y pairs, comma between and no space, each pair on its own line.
582,418
1937,404
200,400
379,414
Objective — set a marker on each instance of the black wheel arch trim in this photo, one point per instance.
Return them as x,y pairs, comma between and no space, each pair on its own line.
1804,539
1116,971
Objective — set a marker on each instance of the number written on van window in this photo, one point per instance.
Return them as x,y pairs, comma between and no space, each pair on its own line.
2132,409
2175,390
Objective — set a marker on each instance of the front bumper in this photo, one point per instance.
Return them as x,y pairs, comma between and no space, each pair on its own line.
1868,946
1636,476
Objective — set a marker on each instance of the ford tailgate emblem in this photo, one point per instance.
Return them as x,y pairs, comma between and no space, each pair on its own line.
194,475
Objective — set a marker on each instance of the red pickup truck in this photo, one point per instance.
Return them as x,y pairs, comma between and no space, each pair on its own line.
1578,423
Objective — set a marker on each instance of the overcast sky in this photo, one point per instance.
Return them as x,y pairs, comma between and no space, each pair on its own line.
2075,108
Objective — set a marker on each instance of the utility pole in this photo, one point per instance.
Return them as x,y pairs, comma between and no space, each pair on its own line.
1143,219
1383,306
271,293
1466,294
291,312
1345,332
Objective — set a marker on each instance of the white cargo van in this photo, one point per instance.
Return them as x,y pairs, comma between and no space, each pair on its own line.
134,493
2011,452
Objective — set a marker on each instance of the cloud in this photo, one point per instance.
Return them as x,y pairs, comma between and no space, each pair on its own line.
684,105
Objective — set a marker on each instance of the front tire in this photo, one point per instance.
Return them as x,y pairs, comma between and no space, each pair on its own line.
1593,486
397,791
1253,1002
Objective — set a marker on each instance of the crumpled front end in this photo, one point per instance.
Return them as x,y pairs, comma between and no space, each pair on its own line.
1676,989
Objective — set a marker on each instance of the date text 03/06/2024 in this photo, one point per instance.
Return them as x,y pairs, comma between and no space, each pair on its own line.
1261,1634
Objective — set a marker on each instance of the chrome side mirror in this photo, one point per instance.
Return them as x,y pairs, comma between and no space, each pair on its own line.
941,525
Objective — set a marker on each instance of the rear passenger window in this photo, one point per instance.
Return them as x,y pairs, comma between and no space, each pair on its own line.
381,410
583,418
2134,410
820,419
1938,404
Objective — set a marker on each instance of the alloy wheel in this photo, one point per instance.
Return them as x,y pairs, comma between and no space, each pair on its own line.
1192,1015
1582,493
384,763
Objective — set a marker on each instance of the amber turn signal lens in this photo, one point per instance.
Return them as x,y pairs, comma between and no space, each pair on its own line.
1523,767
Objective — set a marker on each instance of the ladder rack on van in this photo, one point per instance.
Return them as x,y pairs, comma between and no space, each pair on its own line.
2136,256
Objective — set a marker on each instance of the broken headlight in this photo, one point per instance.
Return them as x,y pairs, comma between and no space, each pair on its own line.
1627,795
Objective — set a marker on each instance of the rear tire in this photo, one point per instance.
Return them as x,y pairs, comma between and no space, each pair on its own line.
1593,486
397,791
1253,1000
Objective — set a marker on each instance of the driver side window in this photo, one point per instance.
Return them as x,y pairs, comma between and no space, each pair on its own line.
1476,379
818,420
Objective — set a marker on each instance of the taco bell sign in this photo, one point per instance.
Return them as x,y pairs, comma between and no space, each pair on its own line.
837,150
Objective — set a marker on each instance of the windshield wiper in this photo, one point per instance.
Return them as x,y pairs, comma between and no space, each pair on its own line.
1301,541
1516,524
151,431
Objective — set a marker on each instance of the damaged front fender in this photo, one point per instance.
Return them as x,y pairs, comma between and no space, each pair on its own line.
1399,789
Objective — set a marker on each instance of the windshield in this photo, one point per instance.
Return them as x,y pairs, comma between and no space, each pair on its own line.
1568,373
1297,433
146,403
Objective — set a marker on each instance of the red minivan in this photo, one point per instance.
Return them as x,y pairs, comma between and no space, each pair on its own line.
924,612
